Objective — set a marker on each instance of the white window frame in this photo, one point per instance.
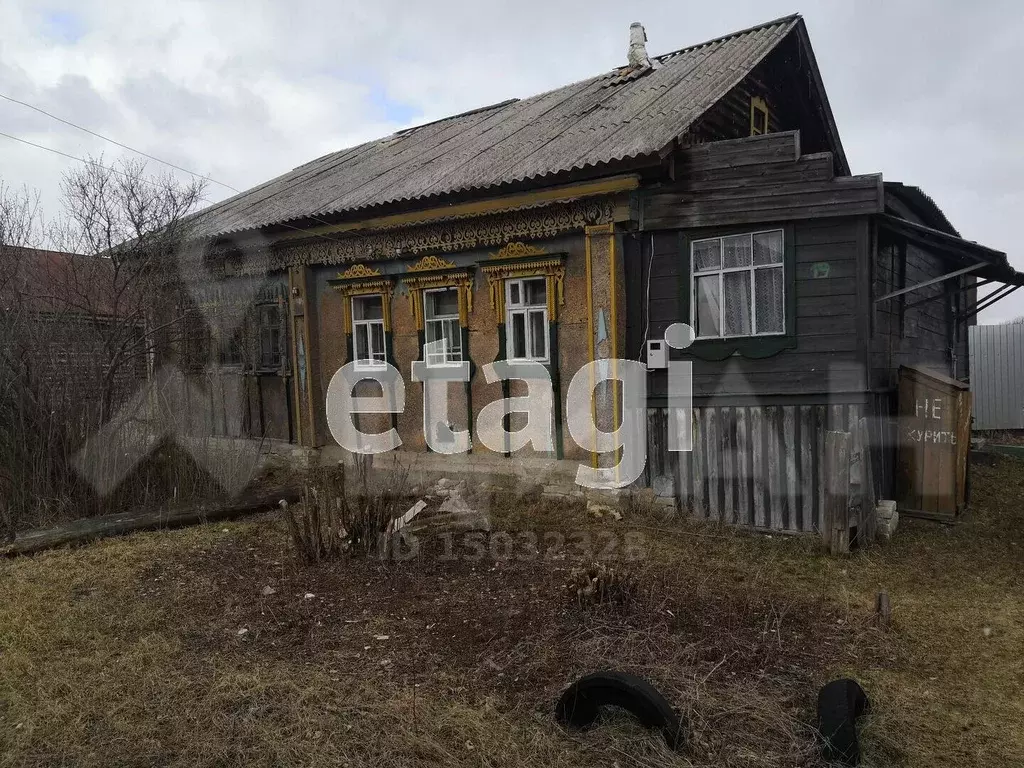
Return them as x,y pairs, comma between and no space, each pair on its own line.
365,326
722,269
452,356
521,308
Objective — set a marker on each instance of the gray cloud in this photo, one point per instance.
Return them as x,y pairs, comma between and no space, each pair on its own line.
925,92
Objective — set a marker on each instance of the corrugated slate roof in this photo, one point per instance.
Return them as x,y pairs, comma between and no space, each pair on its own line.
616,116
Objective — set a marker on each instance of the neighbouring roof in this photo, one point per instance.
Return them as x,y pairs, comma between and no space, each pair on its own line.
618,116
56,282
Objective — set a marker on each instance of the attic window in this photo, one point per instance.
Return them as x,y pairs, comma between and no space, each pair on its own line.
758,116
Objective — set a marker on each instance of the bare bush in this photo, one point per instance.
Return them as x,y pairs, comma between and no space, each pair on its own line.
345,511
602,585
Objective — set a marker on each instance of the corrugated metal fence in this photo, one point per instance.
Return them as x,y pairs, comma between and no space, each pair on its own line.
997,376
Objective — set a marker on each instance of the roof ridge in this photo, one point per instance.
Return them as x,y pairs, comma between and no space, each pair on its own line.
467,113
757,27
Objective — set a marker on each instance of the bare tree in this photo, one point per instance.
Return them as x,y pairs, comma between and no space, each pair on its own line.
80,322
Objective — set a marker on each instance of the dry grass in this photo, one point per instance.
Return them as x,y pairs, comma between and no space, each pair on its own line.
130,651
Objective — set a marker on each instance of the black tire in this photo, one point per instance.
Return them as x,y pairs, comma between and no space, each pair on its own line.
578,707
840,703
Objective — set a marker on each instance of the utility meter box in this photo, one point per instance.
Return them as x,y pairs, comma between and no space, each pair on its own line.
657,354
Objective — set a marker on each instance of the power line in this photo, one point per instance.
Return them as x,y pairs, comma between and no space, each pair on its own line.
144,154
147,181
118,143
70,157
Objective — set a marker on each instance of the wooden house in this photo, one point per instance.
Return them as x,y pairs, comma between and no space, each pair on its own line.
707,186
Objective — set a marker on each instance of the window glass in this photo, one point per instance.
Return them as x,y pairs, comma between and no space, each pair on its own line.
536,292
767,248
707,254
736,251
519,335
538,335
368,308
738,285
368,331
736,301
442,303
526,322
768,295
442,325
708,306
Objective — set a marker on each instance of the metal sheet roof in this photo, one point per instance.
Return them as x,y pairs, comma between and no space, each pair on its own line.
615,116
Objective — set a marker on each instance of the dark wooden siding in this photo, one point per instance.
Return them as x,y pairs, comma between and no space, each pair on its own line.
926,334
782,80
826,357
753,180
761,466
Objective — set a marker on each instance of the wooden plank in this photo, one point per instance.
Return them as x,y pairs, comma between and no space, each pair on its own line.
791,454
758,466
699,475
820,427
837,418
868,521
713,456
684,469
837,497
744,504
727,426
773,469
105,526
657,443
808,522
857,494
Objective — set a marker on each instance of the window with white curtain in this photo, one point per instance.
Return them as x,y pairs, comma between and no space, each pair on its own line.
368,331
738,285
441,319
526,323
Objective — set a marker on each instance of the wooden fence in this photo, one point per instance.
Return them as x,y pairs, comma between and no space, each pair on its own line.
764,466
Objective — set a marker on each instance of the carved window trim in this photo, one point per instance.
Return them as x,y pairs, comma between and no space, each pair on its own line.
518,260
432,272
361,280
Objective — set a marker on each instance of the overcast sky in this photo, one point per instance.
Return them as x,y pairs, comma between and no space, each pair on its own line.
928,93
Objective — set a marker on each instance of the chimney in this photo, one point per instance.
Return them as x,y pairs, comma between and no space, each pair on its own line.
637,56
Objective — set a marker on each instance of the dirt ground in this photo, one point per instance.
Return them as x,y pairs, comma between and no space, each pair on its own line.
216,646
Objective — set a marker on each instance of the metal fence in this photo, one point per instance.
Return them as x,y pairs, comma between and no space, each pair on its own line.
997,376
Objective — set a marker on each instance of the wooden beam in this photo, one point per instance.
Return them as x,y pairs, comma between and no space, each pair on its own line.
933,281
988,301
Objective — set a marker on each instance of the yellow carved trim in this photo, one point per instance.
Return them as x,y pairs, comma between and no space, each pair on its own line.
358,272
428,263
552,269
383,288
518,250
478,207
462,280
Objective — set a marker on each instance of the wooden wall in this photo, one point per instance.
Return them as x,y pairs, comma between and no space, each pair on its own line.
753,180
826,356
761,466
925,334
792,104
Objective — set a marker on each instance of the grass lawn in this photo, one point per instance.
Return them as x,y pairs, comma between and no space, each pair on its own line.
169,649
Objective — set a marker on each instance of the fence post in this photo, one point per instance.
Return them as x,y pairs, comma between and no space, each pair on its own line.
836,530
